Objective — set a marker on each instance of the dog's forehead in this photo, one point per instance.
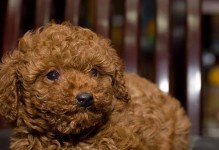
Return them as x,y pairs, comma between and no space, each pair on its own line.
73,39
67,46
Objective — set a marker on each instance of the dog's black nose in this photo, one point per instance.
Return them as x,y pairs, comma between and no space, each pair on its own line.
84,99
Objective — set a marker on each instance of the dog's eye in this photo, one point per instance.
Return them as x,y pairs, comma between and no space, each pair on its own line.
52,75
94,72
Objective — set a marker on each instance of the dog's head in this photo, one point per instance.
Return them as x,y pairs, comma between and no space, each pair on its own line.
61,78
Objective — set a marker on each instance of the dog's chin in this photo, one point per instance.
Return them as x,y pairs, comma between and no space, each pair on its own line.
82,123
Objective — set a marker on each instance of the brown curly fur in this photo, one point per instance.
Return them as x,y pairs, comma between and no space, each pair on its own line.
128,112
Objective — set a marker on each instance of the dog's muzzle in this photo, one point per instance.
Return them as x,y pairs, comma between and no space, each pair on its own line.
84,99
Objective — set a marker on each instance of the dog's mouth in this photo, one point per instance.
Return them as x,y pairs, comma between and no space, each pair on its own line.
81,123
86,133
74,138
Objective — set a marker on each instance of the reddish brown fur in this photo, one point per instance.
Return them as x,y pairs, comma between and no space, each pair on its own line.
128,111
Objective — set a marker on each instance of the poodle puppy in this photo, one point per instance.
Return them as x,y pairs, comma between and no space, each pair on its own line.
64,88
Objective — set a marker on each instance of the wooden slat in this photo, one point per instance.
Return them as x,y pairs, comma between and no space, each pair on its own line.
210,7
72,11
12,24
193,66
162,47
2,20
177,50
43,12
131,34
103,15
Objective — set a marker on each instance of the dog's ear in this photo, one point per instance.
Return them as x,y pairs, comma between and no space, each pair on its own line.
120,89
8,88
